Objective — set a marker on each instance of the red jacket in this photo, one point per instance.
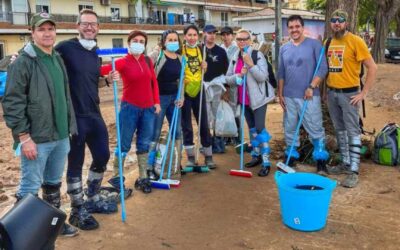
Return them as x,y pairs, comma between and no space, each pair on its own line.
140,87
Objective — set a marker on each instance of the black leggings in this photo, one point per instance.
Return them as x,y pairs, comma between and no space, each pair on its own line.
93,132
256,118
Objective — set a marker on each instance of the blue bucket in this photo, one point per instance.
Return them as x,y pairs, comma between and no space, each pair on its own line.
304,199
3,79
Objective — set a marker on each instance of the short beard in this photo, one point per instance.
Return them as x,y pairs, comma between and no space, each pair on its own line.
339,34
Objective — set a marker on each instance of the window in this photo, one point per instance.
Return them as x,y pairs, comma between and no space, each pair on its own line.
42,8
85,6
224,18
115,14
117,43
1,50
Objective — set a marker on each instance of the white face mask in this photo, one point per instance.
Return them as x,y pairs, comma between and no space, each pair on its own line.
136,48
87,44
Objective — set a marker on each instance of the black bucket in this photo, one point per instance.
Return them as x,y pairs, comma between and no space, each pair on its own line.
31,224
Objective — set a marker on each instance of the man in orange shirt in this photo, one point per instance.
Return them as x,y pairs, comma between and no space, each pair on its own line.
346,54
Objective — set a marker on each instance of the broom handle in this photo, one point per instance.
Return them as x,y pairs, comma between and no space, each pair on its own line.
242,122
121,178
174,122
201,105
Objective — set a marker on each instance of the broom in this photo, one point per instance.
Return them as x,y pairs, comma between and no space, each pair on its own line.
114,53
285,166
241,172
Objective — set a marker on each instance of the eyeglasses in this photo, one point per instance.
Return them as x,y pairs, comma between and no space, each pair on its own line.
242,39
86,24
340,19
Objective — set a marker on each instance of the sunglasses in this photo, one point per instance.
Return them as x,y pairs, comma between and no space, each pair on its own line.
336,19
242,39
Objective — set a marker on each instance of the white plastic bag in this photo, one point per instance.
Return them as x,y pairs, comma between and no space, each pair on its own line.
225,124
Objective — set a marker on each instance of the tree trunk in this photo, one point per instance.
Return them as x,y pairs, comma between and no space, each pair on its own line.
397,32
387,9
350,6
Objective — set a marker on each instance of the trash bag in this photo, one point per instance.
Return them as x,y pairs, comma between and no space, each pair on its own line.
225,124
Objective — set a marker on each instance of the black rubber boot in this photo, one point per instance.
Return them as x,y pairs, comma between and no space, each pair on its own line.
51,194
144,185
321,168
114,182
264,171
95,203
81,219
255,161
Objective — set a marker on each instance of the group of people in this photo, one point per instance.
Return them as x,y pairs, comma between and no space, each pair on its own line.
51,102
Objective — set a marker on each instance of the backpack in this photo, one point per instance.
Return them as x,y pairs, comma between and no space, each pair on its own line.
387,145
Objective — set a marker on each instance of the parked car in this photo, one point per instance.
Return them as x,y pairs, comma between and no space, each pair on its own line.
392,50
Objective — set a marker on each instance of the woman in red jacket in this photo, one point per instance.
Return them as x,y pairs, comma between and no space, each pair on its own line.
140,102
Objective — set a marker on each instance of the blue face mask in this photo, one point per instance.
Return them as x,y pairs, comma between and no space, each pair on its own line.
136,48
172,46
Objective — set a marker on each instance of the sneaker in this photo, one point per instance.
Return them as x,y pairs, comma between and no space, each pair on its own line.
209,162
81,219
338,169
264,171
101,206
144,185
255,161
68,230
351,180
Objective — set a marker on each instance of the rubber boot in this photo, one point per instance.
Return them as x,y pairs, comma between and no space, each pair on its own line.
143,182
116,164
320,155
115,183
343,144
351,179
51,194
151,161
95,203
208,158
79,216
293,157
255,153
191,161
263,138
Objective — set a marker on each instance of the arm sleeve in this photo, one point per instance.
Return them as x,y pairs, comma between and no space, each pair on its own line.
105,69
15,100
281,69
362,51
260,71
154,82
230,77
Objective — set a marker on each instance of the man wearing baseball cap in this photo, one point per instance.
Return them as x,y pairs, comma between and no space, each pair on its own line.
347,53
38,110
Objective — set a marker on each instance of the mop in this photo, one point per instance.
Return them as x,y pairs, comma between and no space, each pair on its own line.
285,166
199,168
114,53
167,183
241,172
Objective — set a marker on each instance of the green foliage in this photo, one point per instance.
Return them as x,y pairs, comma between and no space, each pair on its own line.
367,12
319,5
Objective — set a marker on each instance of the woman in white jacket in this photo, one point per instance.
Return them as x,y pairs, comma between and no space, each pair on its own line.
256,98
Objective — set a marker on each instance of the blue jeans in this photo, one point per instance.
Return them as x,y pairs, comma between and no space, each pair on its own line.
47,168
167,103
140,120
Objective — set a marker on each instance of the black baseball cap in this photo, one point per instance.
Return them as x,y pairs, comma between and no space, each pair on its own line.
226,30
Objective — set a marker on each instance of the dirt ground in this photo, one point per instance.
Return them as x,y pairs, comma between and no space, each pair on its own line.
218,211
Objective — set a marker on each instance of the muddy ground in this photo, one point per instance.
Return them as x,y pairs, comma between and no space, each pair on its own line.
218,211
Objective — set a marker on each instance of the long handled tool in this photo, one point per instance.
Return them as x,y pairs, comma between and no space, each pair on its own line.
285,166
241,172
114,53
167,183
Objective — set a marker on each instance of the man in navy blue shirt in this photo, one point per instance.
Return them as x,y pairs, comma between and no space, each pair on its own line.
217,65
83,68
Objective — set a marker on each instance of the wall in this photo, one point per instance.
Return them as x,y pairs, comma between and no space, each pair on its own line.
259,26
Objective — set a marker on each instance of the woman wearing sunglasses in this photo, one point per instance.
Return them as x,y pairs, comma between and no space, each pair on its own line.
255,74
167,67
139,104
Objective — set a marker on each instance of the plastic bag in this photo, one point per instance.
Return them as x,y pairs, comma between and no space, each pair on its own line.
225,124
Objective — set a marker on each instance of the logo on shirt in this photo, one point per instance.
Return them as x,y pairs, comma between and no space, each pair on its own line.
213,58
335,58
193,63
